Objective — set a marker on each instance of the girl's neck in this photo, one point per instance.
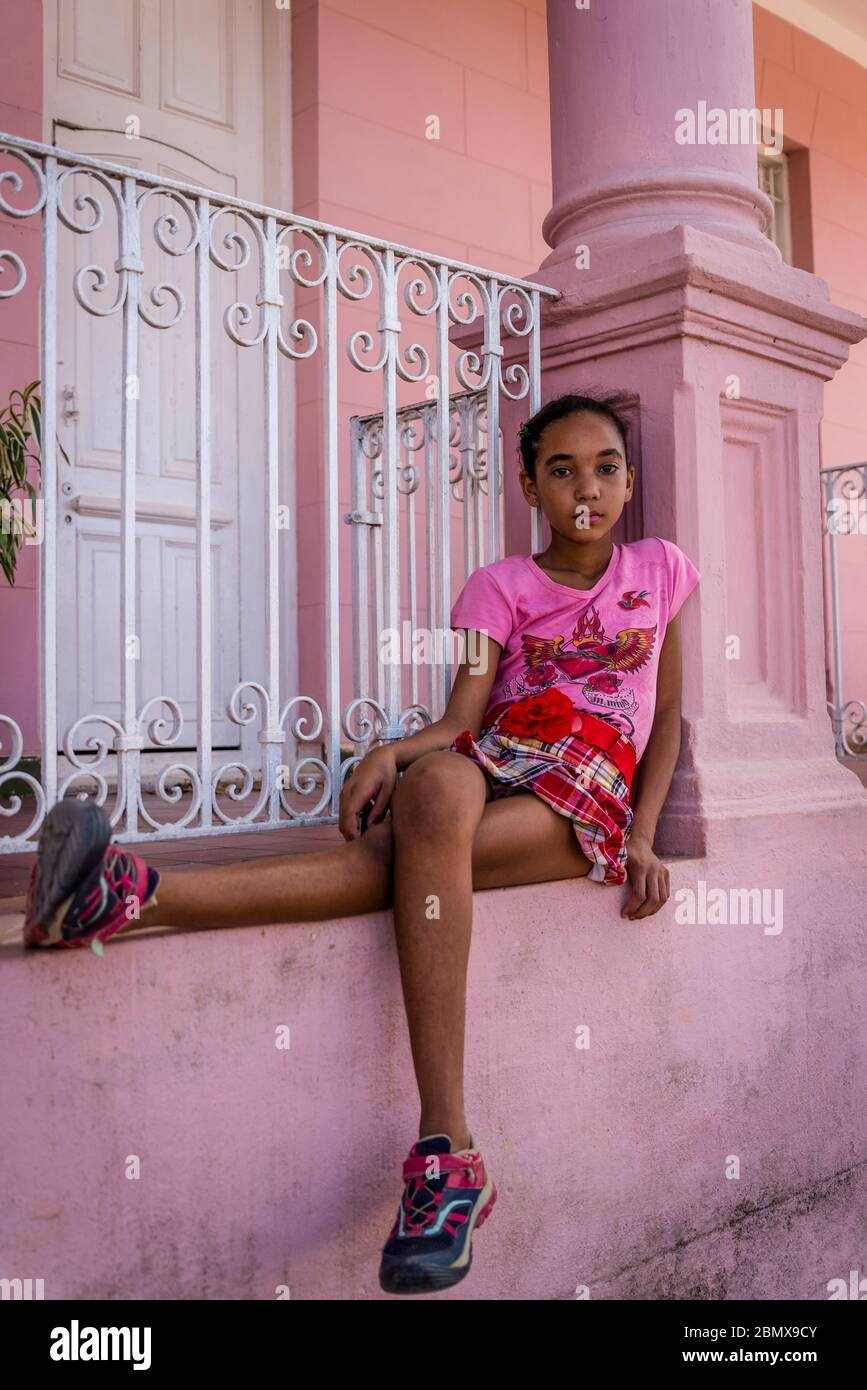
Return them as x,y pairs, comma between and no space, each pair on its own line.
589,559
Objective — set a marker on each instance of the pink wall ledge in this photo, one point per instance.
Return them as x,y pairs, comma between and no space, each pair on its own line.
262,1167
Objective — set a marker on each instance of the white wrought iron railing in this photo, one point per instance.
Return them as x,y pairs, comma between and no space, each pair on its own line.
442,536
845,515
393,308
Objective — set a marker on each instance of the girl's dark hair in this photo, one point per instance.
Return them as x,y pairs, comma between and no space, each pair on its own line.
531,431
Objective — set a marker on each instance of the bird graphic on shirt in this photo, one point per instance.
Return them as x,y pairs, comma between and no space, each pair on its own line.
633,600
589,651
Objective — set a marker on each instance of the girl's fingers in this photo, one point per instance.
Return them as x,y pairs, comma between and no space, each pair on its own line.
656,896
649,906
380,805
638,893
347,821
353,801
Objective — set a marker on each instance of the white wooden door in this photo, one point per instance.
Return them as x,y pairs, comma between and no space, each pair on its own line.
173,87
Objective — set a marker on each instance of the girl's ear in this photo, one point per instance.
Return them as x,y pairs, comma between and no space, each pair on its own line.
528,486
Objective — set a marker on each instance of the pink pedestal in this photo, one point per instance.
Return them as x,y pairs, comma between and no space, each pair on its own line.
675,299
727,354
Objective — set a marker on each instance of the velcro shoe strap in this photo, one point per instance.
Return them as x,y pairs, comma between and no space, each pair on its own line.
419,1167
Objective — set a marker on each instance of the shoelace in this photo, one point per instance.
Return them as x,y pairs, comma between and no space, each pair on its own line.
415,1220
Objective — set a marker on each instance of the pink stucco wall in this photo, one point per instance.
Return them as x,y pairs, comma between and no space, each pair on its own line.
366,80
20,114
823,94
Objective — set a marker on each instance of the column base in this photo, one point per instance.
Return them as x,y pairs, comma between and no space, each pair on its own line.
635,206
720,805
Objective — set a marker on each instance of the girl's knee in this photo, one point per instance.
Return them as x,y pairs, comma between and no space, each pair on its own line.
436,786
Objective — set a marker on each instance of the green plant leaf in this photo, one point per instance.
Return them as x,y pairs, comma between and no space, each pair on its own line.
20,445
7,555
14,428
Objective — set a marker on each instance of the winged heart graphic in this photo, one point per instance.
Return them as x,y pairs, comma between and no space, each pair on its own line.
589,650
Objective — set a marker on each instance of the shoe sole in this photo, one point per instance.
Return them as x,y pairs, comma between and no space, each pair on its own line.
74,838
396,1277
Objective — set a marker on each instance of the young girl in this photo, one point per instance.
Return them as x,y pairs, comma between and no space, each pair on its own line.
529,776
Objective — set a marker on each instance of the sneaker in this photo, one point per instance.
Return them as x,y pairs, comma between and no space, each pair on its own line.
80,883
446,1197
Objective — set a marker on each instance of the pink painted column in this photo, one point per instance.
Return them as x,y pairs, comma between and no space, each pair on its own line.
619,73
672,295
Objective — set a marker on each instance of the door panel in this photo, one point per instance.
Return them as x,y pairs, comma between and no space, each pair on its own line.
187,80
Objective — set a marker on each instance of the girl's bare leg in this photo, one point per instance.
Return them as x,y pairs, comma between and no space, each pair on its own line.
519,840
436,809
446,843
354,876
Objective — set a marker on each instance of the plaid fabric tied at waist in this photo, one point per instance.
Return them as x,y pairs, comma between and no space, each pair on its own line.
529,745
551,717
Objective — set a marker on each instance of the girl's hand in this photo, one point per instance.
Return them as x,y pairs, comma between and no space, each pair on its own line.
373,779
649,879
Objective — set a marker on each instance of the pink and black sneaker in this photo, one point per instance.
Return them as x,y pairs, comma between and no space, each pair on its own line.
82,887
446,1197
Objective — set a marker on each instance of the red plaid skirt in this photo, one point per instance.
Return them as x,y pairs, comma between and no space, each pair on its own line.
577,779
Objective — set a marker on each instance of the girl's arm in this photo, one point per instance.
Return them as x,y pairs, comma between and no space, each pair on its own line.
375,776
467,704
648,876
655,771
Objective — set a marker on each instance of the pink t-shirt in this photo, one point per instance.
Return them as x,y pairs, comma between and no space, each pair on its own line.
600,647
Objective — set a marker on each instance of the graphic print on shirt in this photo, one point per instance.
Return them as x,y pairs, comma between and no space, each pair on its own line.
633,600
588,653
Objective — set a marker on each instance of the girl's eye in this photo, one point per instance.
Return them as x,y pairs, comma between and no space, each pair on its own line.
564,471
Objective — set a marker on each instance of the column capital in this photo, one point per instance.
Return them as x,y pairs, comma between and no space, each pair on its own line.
684,282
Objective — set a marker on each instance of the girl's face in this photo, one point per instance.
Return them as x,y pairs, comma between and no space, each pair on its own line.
582,481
